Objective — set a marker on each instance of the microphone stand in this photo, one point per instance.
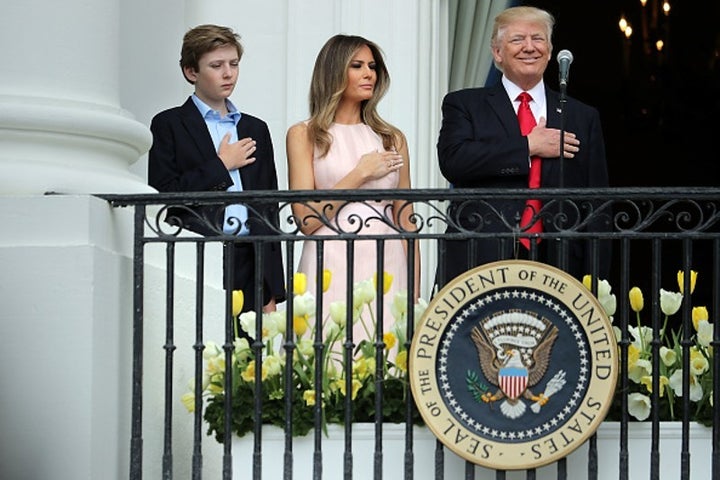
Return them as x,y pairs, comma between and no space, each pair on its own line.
561,111
563,260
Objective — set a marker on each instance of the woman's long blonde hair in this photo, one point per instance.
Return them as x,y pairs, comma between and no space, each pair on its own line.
329,80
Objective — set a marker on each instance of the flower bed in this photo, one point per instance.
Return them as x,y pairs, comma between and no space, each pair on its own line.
317,361
664,342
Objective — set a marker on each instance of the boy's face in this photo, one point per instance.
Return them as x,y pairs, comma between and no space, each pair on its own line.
216,75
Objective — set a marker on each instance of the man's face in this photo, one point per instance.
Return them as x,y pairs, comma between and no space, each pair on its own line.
523,51
216,75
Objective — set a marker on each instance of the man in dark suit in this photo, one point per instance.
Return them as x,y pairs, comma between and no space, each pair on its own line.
481,146
206,144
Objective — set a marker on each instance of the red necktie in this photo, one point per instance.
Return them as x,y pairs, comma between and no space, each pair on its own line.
533,205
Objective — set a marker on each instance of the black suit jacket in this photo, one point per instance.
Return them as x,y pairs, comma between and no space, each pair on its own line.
183,159
480,146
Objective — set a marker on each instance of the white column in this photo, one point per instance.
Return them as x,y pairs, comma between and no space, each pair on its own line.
61,125
66,275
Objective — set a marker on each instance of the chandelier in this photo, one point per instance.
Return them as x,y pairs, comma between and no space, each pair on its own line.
652,19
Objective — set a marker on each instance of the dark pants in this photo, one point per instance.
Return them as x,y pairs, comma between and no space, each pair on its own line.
239,265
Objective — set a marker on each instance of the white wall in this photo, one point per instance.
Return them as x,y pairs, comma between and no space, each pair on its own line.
65,333
76,100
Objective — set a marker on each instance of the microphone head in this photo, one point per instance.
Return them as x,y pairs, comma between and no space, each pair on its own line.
565,55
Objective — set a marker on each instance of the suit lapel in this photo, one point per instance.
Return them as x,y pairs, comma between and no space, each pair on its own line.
552,100
197,129
550,176
501,104
247,178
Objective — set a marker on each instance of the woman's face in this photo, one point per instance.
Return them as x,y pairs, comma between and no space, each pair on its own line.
361,76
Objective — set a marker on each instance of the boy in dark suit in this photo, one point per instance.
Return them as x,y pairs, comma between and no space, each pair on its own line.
207,144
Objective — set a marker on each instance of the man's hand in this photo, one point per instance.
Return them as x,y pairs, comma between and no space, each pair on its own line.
545,142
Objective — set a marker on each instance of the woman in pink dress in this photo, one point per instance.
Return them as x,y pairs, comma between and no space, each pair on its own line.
345,144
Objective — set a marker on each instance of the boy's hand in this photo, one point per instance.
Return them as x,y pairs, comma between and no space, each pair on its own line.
236,155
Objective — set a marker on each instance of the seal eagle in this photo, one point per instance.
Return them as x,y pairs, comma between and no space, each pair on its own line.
514,352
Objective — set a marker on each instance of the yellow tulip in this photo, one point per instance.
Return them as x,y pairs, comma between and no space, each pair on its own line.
309,397
238,300
587,281
300,325
681,280
188,400
699,314
389,340
401,361
215,365
299,283
636,299
647,381
327,276
356,384
363,367
387,281
249,373
633,354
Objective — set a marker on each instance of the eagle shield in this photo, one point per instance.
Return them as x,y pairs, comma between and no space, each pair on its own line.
513,381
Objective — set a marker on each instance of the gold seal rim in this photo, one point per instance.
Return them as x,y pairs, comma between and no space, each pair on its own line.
433,409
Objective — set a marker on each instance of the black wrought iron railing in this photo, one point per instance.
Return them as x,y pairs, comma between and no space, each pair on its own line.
628,238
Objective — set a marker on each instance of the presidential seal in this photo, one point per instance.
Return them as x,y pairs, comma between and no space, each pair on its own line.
513,365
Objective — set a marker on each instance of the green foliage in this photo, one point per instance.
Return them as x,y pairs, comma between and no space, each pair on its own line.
394,408
475,386
260,385
673,348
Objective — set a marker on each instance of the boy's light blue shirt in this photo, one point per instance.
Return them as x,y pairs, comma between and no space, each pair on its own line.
219,126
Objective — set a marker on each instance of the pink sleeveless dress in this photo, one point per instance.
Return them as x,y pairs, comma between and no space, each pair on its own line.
350,142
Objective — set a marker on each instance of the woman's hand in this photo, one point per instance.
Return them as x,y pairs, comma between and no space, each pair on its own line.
374,165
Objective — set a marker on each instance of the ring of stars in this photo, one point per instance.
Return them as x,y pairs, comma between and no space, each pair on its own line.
525,434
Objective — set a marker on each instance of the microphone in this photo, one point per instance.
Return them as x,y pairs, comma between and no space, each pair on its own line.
564,58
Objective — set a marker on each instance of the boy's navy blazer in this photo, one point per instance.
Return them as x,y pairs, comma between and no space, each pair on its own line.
184,159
